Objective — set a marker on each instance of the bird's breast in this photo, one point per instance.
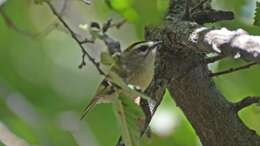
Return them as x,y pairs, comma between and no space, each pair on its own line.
141,77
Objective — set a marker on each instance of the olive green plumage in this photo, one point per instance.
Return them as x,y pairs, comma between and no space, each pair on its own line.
135,66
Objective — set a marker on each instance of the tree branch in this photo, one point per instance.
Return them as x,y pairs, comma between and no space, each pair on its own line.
222,41
109,25
231,70
74,36
229,42
210,16
113,45
246,102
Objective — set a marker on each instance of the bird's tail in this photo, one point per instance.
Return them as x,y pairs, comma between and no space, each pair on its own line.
90,106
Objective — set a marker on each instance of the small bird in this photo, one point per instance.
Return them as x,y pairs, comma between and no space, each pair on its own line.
134,66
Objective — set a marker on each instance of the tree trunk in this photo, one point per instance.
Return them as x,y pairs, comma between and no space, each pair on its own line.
182,68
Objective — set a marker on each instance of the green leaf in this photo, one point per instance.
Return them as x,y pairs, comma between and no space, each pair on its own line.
162,5
120,5
131,119
257,14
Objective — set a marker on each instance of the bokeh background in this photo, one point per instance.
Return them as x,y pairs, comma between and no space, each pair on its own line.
42,90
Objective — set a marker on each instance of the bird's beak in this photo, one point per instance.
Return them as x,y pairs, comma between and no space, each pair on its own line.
155,44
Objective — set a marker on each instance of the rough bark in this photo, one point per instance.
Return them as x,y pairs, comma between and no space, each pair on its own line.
182,68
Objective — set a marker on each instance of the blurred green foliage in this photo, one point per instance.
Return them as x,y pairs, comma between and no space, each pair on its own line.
42,91
139,12
257,14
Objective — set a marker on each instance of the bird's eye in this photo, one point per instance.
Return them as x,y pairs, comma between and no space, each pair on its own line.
143,48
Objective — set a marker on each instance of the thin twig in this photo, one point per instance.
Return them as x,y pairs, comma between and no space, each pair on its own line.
109,25
231,70
74,36
246,102
118,24
113,45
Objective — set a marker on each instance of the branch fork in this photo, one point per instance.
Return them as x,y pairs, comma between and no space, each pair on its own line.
248,101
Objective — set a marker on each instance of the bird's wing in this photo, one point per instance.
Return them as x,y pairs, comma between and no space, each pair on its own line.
90,106
105,93
119,83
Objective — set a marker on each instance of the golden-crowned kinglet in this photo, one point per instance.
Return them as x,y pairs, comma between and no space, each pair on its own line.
135,66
